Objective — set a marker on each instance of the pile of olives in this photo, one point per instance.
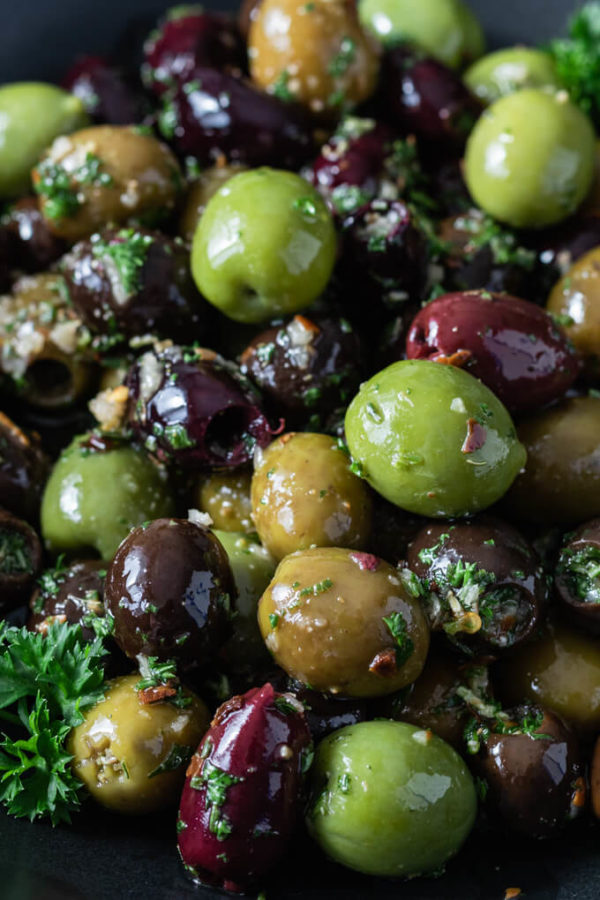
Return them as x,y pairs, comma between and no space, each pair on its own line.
300,386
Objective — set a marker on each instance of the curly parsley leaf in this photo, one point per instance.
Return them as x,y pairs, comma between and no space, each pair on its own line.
577,59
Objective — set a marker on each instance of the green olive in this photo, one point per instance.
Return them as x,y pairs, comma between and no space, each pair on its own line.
390,799
225,496
199,193
131,755
342,622
576,301
511,69
304,495
32,114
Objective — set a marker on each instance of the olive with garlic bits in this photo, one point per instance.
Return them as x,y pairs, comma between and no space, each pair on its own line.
73,594
132,755
577,576
575,301
342,622
105,174
304,494
225,496
317,54
171,592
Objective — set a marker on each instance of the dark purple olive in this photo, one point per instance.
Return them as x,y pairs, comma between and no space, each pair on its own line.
217,115
20,560
512,345
480,582
532,771
31,246
563,245
23,470
132,281
308,369
422,96
109,96
324,713
170,591
448,186
242,792
577,576
192,407
189,39
73,594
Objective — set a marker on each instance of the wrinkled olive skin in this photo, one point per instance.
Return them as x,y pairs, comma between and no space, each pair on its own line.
322,619
94,497
326,714
414,430
71,593
138,176
225,496
560,671
577,297
304,494
33,114
30,243
511,345
199,193
390,799
122,742
534,785
23,470
512,583
108,94
264,247
307,368
511,69
577,577
561,481
541,175
320,57
20,560
160,299
170,591
262,742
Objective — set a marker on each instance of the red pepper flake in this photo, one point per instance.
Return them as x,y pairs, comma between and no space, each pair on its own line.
384,664
195,766
476,437
158,693
459,358
365,561
579,794
279,429
307,324
287,437
511,893
225,709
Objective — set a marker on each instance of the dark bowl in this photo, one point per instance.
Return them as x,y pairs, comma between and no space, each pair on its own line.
104,857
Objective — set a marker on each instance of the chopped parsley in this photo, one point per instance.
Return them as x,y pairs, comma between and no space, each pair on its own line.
343,59
396,625
581,571
316,589
216,782
15,555
128,250
178,756
577,60
59,189
280,87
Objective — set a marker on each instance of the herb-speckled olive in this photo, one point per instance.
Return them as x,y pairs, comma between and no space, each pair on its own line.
511,69
575,300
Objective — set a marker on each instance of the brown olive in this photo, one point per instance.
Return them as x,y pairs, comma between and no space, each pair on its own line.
561,480
23,470
199,193
225,496
577,576
20,560
73,594
304,495
576,301
316,53
105,175
33,247
342,622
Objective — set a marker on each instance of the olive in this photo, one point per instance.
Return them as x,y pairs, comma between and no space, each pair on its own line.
304,494
194,408
23,470
480,582
511,69
246,15
316,54
307,368
199,193
325,713
390,799
170,591
577,576
107,93
256,751
70,593
105,174
342,622
33,247
392,531
511,345
561,480
225,496
133,281
447,185
20,560
575,301
131,755
559,247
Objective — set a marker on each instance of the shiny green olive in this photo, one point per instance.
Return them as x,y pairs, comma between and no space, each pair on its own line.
530,158
225,496
94,498
433,439
390,799
575,301
511,69
32,114
447,29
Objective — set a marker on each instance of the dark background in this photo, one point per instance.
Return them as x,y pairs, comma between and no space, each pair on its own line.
108,858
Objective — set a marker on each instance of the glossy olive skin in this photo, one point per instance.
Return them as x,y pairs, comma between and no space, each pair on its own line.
199,193
539,176
259,742
159,298
30,243
70,593
20,560
576,579
23,470
111,174
225,496
264,247
414,429
193,408
565,244
511,69
308,368
326,714
511,345
377,803
577,298
97,492
109,96
217,114
122,741
512,590
170,591
322,618
33,114
561,481
319,56
534,784
304,494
